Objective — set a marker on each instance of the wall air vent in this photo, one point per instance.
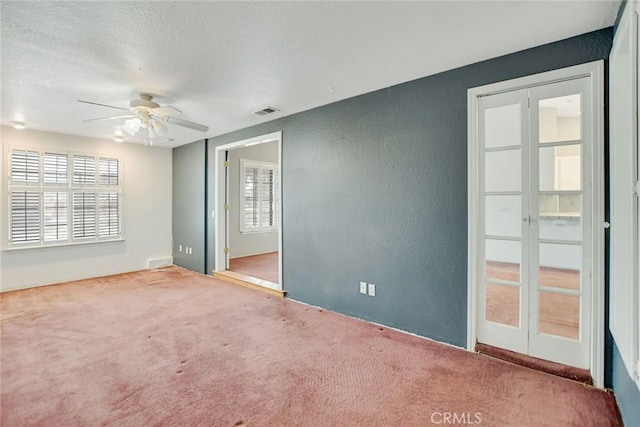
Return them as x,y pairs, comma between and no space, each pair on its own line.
265,111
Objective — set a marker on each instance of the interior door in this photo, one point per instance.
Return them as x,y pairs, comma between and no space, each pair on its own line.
535,202
503,290
561,223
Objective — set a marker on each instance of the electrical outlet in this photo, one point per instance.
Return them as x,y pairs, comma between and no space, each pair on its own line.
180,248
363,288
372,290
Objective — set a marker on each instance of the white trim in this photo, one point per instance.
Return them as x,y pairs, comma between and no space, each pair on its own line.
595,71
624,273
473,211
220,258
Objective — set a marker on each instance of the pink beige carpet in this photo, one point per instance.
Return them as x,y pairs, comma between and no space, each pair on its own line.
173,348
263,266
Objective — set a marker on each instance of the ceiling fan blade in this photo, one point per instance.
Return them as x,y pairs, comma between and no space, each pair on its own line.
167,110
126,116
102,105
187,124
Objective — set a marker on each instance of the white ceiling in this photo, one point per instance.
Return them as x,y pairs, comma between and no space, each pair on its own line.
220,61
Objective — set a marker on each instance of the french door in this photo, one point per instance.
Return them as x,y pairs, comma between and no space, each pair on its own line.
534,224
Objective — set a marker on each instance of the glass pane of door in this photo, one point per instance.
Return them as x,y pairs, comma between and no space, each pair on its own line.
503,304
503,170
502,126
560,118
559,315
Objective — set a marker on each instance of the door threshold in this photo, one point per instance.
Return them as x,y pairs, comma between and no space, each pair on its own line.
250,282
553,368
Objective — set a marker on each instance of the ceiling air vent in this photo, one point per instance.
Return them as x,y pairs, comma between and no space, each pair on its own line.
265,111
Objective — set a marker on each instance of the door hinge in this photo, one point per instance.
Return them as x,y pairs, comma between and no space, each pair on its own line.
636,188
226,250
606,224
226,207
226,164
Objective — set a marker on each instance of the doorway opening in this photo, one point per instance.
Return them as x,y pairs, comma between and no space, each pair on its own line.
536,217
248,206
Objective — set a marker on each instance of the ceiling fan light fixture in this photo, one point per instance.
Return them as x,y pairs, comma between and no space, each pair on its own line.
131,126
152,132
159,128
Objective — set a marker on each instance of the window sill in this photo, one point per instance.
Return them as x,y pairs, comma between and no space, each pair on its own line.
272,230
61,245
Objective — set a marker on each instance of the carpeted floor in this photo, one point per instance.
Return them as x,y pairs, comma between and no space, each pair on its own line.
171,347
263,266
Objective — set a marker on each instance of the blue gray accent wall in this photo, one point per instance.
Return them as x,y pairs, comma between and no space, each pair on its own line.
626,391
375,190
189,206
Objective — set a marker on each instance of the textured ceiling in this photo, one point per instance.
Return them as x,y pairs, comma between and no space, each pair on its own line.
219,61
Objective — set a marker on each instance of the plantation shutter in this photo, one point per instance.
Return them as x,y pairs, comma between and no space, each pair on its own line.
266,198
25,216
84,170
55,168
56,197
108,214
108,171
84,215
56,215
251,200
25,166
259,197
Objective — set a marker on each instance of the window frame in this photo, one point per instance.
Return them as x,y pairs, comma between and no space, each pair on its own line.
69,188
244,229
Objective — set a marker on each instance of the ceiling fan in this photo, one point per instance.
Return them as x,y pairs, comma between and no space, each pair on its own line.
147,114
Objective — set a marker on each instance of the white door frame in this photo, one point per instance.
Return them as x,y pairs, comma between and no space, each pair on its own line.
594,70
220,190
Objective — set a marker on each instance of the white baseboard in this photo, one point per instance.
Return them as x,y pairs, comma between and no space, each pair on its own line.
159,262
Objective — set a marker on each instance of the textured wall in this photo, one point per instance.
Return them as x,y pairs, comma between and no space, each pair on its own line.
188,205
375,189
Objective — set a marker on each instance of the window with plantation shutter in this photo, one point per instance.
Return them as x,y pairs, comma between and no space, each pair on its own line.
108,214
58,198
259,198
56,168
25,216
25,166
84,170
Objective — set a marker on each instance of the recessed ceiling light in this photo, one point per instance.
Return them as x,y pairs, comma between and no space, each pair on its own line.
118,138
17,125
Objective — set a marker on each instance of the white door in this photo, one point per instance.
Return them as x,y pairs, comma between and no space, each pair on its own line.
535,203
